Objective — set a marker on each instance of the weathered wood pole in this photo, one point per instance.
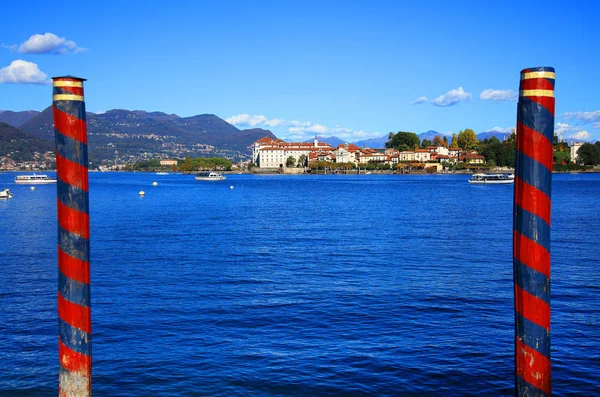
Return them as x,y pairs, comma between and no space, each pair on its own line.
74,312
531,239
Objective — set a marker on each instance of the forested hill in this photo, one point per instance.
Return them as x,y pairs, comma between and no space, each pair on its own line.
20,145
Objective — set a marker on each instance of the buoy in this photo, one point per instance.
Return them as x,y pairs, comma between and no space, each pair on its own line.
32,188
154,183
231,187
142,193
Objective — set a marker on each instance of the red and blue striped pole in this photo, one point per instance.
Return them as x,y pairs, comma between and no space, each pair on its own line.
531,240
74,312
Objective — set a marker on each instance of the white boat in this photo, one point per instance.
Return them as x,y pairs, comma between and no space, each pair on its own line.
209,176
491,179
34,179
5,194
162,173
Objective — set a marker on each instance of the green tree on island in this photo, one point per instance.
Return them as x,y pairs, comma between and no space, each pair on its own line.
589,154
425,143
467,139
403,140
302,160
290,162
454,144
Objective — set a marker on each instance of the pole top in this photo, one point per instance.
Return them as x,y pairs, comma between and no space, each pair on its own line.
542,69
69,77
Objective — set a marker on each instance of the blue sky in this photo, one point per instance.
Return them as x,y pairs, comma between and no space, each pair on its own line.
350,69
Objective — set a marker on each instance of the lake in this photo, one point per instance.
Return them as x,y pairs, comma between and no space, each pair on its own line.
328,285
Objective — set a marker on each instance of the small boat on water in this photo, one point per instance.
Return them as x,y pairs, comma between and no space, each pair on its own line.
34,179
162,173
488,179
5,194
209,176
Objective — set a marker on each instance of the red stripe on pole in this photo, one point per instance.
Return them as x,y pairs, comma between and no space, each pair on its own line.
73,268
73,221
533,367
536,84
70,126
532,199
535,145
532,308
73,361
531,254
74,315
72,173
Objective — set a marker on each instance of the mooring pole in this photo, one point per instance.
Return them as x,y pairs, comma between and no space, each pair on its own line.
74,312
531,240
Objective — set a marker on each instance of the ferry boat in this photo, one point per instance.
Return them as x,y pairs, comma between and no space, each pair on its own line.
209,176
34,179
5,194
491,179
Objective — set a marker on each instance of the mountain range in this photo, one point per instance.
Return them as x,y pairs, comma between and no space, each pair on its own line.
20,145
137,133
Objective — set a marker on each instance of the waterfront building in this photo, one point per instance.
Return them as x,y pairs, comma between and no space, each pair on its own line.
422,155
273,153
168,162
574,148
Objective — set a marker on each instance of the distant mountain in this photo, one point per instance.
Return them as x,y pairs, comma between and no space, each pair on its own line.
376,143
488,134
19,145
137,133
429,135
15,119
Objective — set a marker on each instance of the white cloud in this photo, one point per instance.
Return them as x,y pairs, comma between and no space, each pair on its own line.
584,117
22,72
452,97
419,100
299,130
501,130
246,120
583,135
47,43
498,95
596,125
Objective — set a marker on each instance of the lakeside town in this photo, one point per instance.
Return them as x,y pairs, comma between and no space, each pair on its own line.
404,152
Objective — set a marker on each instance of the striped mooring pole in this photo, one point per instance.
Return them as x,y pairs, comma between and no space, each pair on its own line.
74,312
531,238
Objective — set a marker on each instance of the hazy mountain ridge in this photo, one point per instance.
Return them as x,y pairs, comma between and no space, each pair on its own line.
15,119
21,145
134,133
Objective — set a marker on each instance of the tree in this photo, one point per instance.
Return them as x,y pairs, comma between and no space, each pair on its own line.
438,141
454,144
302,160
588,154
290,162
467,139
425,143
403,140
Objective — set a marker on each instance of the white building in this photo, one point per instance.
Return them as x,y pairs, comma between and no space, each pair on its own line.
407,155
168,162
273,153
422,155
574,148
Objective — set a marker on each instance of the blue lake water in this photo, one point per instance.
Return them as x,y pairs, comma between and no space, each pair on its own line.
371,285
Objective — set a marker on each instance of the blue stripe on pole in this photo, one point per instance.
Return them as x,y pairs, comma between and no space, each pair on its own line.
72,196
535,116
533,227
74,338
74,245
71,149
530,280
527,390
533,173
73,108
63,91
533,335
73,291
